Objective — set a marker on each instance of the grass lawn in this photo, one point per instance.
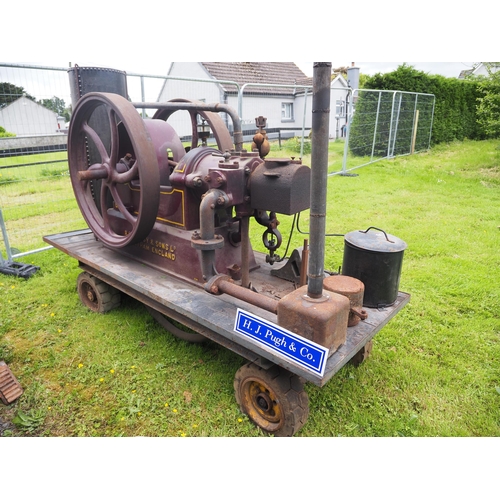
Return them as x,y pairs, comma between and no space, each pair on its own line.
434,369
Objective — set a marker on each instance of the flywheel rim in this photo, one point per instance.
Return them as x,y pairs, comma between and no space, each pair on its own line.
125,125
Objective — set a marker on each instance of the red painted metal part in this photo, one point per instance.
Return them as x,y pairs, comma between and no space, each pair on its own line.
219,129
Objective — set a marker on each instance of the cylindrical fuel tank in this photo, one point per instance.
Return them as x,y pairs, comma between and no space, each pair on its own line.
376,259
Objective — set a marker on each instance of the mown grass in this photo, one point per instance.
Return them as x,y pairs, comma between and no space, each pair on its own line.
36,198
434,370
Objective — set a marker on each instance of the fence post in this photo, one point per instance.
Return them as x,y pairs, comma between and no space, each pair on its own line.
303,124
347,130
390,126
397,124
414,134
376,125
432,121
5,238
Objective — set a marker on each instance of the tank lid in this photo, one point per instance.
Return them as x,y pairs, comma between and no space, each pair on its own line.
375,241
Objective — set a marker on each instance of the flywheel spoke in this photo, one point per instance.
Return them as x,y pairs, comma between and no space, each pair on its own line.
92,134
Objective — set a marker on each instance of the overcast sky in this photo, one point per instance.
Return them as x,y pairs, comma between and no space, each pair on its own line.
147,36
448,69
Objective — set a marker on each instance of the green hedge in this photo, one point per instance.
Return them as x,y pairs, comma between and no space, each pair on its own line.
454,113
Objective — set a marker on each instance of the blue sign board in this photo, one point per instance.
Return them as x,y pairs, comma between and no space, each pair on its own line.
306,353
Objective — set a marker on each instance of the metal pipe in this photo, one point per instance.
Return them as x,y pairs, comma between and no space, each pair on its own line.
222,284
304,263
216,108
376,125
303,125
5,238
397,124
206,240
350,93
245,251
319,172
432,120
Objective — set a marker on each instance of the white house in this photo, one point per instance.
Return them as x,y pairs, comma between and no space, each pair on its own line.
25,117
275,90
480,70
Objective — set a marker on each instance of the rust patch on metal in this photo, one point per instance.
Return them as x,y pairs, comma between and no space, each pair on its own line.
354,290
10,388
322,320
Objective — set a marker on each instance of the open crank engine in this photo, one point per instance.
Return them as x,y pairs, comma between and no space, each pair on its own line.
170,225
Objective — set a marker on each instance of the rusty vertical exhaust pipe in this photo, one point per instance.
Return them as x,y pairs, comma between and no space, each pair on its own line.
319,174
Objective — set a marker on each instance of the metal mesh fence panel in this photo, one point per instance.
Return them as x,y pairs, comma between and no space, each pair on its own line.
385,124
36,196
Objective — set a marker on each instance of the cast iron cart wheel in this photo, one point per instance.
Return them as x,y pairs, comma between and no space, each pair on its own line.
274,399
119,132
362,354
217,126
164,321
97,295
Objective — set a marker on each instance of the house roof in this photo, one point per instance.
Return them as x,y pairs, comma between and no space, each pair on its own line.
24,99
492,66
275,73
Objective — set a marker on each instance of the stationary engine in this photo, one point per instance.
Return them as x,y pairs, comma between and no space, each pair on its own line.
182,210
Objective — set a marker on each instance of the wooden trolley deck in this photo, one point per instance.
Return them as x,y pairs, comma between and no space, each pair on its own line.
212,316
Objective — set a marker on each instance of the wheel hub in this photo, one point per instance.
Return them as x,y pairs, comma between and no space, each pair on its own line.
264,401
90,295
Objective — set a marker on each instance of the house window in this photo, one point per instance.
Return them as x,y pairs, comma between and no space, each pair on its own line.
340,108
286,111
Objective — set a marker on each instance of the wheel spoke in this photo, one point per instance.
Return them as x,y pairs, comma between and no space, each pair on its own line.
194,128
121,207
105,216
97,141
115,143
128,175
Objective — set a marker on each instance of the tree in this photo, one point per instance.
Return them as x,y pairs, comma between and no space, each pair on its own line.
488,108
4,133
57,105
10,93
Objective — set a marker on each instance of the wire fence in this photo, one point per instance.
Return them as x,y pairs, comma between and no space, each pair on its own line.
36,196
383,124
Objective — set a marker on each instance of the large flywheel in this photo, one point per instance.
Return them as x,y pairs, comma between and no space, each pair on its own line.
111,155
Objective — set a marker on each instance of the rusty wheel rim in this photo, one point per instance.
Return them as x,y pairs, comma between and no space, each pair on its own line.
215,122
89,296
127,133
262,405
